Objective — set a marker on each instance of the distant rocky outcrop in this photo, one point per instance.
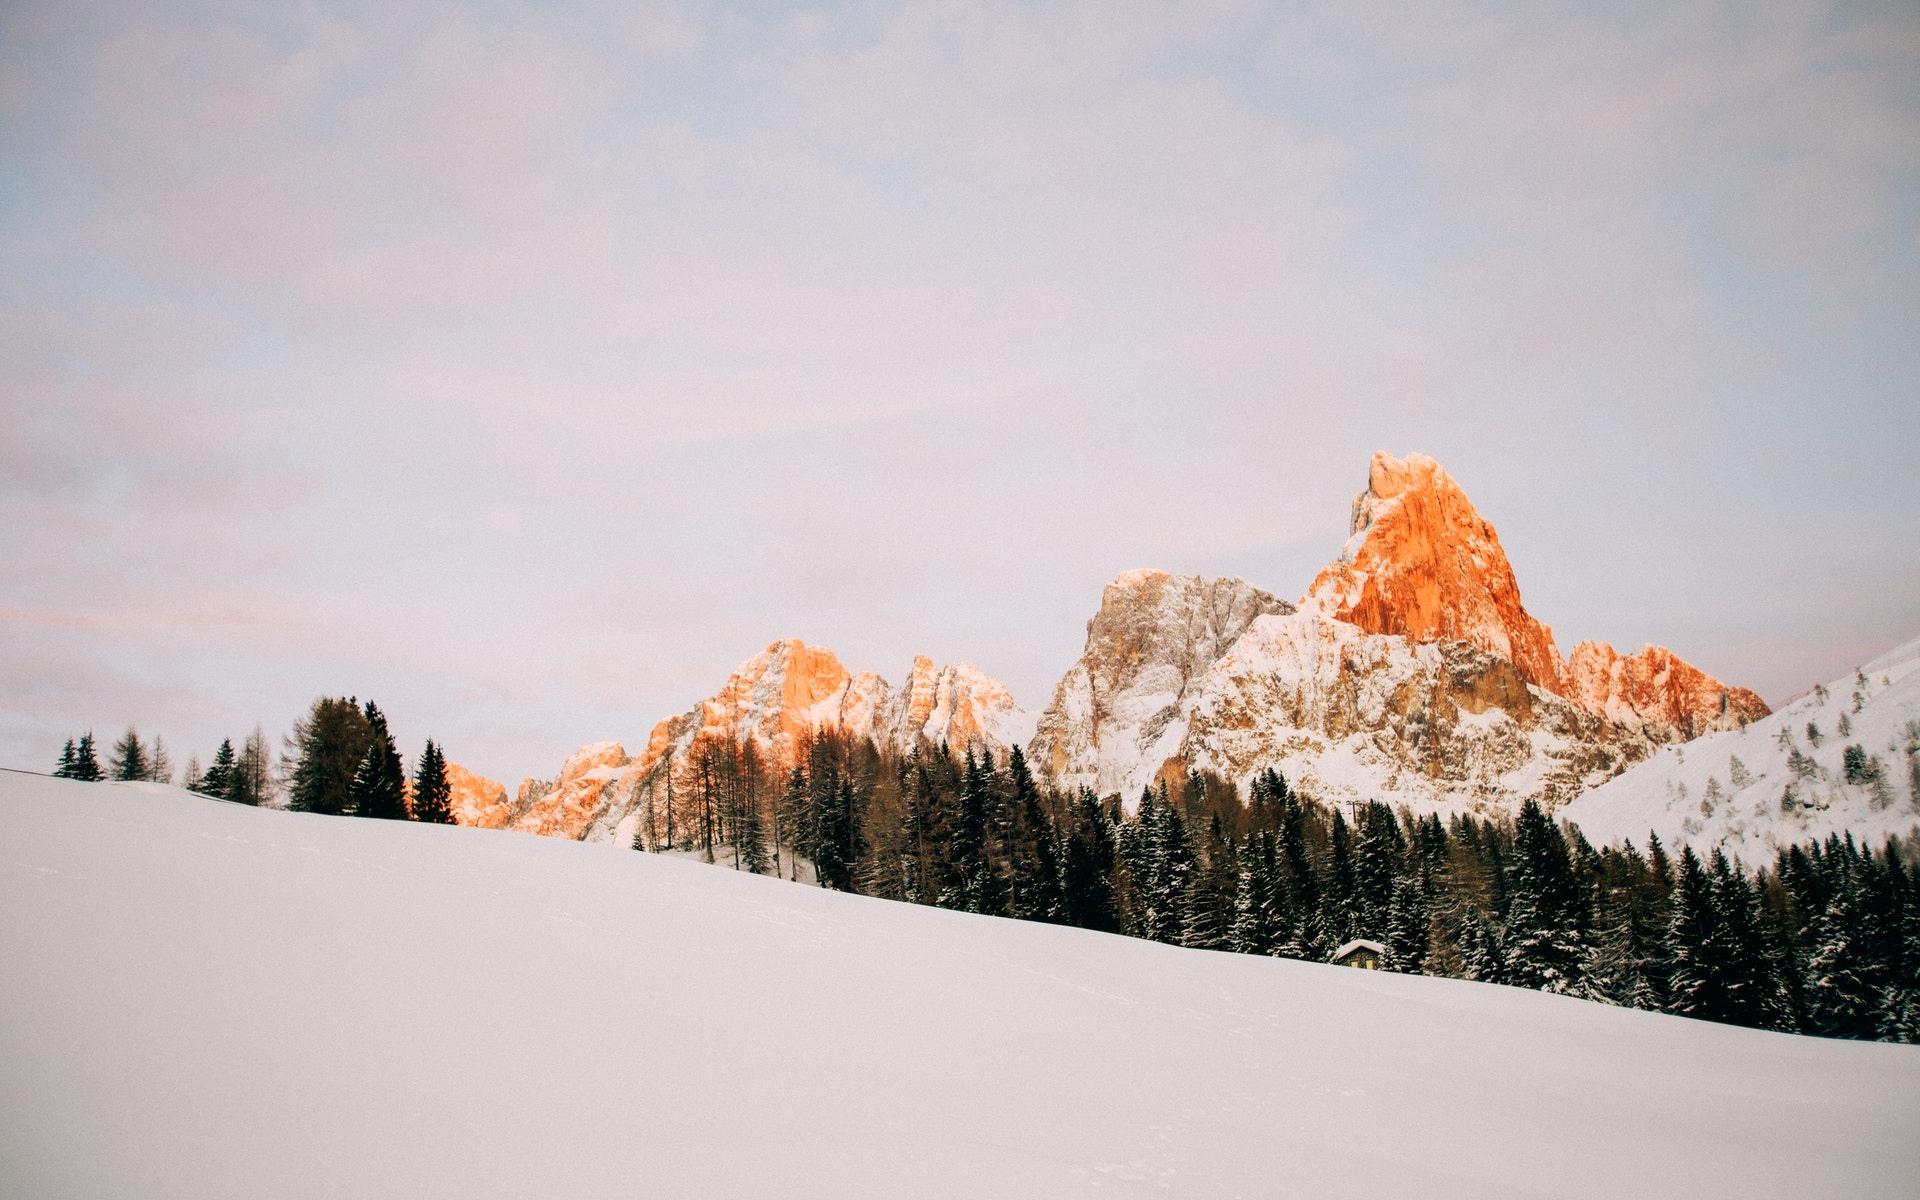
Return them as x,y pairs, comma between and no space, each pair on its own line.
476,800
1842,759
1410,672
1656,689
774,702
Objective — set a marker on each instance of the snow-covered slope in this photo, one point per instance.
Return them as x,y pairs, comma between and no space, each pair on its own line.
202,1000
1772,784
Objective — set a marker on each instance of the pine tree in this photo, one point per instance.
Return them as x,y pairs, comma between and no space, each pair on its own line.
1693,980
1256,917
432,794
974,885
1750,988
129,757
1339,917
219,779
363,790
1165,872
750,841
1651,906
1854,765
836,838
64,770
1444,960
379,788
1611,970
1843,998
1545,910
1033,870
252,772
328,745
793,814
1409,926
86,763
1207,917
1087,868
1898,1018
1297,899
1481,951
1376,864
919,835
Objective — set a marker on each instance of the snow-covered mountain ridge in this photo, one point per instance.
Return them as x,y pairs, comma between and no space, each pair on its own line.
1412,673
1845,758
772,702
209,1000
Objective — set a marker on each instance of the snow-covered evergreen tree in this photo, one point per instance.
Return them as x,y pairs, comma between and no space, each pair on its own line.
129,760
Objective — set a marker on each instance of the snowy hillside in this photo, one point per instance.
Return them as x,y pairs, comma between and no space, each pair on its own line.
204,1000
1784,779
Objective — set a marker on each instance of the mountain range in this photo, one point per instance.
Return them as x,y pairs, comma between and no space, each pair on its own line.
1409,671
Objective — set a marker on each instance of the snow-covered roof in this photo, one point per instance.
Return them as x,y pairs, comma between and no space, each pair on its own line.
1358,944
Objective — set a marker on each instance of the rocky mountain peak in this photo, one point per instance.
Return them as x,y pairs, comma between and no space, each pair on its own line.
1422,563
1116,715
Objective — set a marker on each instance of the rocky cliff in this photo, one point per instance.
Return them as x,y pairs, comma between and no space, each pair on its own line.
1441,726
1411,672
476,800
772,703
1119,712
1655,689
1421,562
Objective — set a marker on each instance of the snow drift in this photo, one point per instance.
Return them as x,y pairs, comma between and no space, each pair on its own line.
204,1000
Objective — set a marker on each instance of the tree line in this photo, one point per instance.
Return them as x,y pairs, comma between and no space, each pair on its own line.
340,760
1825,940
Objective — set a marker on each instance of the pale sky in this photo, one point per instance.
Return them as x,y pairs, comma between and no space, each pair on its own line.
527,367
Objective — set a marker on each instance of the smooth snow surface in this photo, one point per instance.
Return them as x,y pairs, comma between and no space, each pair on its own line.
202,1000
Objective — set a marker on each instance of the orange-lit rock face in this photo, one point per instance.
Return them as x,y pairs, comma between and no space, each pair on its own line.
569,805
1656,690
776,699
1423,564
772,705
476,800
